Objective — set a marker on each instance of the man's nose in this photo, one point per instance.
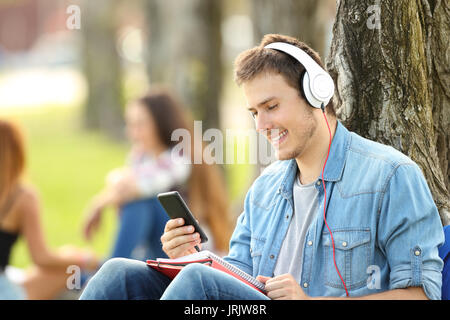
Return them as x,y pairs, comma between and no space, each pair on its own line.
263,123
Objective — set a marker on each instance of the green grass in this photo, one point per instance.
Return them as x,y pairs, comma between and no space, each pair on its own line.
67,165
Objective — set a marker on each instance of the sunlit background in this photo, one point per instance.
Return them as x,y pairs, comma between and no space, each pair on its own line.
59,81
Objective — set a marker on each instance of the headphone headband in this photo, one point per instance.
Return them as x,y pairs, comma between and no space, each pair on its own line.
317,83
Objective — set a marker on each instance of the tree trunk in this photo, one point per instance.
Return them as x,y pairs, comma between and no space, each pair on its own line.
101,65
392,78
300,19
438,53
185,53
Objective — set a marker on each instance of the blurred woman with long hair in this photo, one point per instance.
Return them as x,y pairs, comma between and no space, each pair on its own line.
20,217
152,168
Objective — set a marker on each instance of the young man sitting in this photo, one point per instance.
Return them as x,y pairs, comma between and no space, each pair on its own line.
336,216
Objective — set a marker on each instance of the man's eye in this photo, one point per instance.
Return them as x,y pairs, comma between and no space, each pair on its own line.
272,107
254,114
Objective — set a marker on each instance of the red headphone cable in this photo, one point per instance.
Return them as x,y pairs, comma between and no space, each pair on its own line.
325,202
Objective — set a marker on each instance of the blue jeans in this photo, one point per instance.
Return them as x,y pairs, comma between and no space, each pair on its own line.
125,279
10,290
141,225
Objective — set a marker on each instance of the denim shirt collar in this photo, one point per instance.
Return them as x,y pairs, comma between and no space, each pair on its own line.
335,163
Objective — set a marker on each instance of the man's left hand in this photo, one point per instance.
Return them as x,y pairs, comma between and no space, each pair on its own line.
283,287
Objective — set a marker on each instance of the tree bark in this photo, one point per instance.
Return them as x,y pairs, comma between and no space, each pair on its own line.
438,52
393,81
185,53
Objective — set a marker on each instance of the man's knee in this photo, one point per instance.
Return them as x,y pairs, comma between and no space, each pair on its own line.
119,269
197,275
190,283
114,278
113,264
194,271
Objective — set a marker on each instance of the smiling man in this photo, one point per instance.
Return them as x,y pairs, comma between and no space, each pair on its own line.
338,216
295,131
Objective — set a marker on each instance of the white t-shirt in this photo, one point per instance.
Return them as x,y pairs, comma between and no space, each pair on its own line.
290,259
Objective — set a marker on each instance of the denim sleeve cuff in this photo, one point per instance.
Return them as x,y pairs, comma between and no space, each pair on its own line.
415,275
430,283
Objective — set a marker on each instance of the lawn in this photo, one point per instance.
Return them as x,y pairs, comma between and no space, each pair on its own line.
67,165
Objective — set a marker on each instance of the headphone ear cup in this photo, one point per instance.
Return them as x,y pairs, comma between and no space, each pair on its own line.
305,85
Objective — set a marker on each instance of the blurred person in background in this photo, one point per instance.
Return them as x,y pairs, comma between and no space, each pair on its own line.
20,213
153,168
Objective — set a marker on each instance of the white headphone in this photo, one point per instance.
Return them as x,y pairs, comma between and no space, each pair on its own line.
317,84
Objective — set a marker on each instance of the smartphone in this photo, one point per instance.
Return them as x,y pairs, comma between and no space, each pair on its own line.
175,208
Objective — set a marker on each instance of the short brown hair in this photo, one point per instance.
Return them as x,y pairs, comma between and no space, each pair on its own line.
252,62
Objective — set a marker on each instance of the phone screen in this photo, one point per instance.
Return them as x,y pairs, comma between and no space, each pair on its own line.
175,208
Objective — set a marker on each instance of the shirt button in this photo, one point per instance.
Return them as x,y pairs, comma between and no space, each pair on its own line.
272,256
417,252
309,243
305,284
287,217
318,182
344,243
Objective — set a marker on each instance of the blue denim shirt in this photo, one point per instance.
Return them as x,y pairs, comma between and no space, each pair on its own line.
385,225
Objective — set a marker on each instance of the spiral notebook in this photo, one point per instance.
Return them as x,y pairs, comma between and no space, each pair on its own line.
171,267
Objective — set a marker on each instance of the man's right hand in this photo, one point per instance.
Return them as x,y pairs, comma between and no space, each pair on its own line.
179,240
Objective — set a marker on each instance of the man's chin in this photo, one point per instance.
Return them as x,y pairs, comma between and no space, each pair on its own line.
284,155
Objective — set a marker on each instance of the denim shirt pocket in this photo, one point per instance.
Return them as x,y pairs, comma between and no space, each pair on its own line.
256,249
352,252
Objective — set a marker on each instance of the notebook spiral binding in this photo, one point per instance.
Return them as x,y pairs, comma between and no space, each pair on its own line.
239,272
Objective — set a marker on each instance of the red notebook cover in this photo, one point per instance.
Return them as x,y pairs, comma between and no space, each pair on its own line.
171,267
